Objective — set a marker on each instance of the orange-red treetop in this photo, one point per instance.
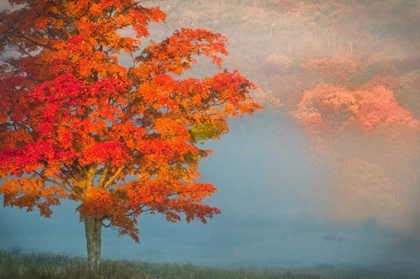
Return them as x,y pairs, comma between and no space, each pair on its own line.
75,123
329,111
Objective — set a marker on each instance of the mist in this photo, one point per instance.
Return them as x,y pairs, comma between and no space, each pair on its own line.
272,214
284,204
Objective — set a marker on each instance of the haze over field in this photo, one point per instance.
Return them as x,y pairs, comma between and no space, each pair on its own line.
327,174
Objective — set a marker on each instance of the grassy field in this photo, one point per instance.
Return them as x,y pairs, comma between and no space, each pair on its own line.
17,265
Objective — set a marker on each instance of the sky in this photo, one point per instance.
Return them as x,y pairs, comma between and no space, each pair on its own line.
279,205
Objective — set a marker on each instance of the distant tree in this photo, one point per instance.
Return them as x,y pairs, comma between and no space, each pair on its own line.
76,124
372,144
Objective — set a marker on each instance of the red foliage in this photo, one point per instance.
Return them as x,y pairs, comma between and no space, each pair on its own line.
79,123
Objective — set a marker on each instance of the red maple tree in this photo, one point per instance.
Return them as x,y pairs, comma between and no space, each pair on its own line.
119,140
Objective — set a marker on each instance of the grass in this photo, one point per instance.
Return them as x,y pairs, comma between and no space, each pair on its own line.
17,265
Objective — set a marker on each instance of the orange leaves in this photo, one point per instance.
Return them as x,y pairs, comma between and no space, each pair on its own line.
379,110
157,92
10,189
64,89
30,193
127,133
95,9
171,130
74,117
141,16
174,55
97,203
65,137
102,152
42,23
171,198
158,153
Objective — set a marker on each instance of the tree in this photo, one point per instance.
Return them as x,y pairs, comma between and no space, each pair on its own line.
372,146
120,141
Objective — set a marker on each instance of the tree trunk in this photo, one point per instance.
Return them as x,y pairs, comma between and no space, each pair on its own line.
93,228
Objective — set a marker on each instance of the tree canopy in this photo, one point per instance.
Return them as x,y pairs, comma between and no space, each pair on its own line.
121,140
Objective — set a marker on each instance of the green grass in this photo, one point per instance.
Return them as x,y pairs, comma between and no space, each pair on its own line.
17,265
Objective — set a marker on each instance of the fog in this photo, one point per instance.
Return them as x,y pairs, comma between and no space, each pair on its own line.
283,205
270,214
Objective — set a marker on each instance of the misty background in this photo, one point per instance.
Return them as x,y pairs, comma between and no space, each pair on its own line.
279,205
269,215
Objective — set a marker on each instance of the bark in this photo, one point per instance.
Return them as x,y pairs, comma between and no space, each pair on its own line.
93,228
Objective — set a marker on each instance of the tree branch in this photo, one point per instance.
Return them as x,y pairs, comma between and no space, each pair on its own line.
116,174
65,186
133,213
43,177
104,175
